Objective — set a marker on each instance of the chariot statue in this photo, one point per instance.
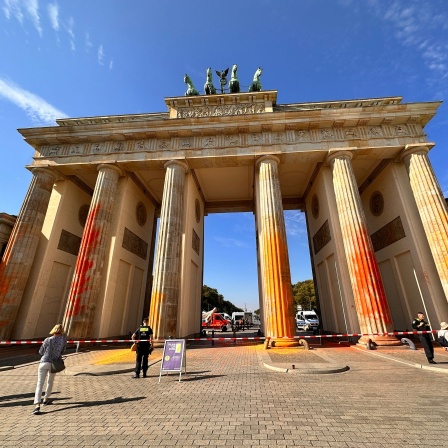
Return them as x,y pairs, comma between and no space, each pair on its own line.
191,91
209,88
234,85
222,78
256,84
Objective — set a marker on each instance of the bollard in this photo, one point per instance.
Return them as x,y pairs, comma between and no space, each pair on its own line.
234,337
77,347
293,366
213,337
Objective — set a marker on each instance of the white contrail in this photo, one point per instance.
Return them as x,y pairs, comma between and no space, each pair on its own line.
33,105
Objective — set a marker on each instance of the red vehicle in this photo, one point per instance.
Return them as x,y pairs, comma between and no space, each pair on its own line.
214,321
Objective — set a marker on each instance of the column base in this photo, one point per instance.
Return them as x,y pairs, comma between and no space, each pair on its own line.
284,342
383,341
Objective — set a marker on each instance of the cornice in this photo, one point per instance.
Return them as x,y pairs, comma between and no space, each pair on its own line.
326,117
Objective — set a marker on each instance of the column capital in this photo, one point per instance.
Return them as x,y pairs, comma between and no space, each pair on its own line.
44,170
415,148
176,162
110,166
340,153
268,157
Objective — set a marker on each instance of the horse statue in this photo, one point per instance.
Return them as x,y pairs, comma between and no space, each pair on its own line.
234,85
256,84
222,78
209,88
191,91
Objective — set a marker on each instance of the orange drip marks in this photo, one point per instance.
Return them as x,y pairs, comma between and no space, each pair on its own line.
278,291
156,315
365,273
4,283
84,264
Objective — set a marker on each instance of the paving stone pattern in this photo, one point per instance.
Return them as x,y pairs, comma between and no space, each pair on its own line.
228,398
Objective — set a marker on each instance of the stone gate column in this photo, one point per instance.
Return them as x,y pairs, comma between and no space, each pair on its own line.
368,290
431,206
274,260
166,283
21,249
84,290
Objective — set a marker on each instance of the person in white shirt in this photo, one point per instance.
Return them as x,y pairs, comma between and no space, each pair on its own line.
442,335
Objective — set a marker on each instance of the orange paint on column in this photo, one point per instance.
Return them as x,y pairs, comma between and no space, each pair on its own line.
84,264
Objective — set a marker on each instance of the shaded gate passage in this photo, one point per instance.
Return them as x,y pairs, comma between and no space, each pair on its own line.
359,169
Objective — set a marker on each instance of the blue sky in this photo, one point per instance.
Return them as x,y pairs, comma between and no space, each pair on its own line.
85,58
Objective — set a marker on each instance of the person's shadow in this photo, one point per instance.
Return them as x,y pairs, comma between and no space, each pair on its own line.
13,400
84,404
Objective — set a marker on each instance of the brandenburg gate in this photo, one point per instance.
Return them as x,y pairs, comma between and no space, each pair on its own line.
84,252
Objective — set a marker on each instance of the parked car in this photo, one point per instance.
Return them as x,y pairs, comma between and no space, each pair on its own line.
307,320
226,316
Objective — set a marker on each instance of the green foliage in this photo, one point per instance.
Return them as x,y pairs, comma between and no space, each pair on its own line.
212,299
304,295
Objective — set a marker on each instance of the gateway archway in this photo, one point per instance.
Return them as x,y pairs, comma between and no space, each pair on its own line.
82,247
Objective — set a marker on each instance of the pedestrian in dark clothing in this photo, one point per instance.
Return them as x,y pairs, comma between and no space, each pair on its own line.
144,348
420,324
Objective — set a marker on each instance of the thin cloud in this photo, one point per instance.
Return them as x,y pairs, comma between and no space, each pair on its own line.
32,7
417,27
100,55
111,65
89,44
35,107
53,13
70,30
295,223
13,8
18,9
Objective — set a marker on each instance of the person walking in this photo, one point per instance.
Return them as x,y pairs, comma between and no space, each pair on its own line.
442,335
144,347
51,349
420,324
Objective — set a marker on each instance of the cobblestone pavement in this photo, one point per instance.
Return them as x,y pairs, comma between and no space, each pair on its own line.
229,398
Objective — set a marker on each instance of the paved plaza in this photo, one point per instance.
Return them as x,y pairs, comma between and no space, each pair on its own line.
233,396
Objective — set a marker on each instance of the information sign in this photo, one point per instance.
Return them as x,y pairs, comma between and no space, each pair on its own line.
173,358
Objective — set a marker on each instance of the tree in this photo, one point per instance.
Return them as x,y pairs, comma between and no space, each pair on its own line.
212,299
304,295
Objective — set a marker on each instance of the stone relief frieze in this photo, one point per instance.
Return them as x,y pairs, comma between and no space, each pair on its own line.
322,237
374,131
388,234
54,151
134,244
68,242
76,149
195,242
118,147
208,142
327,134
221,110
97,148
278,137
228,140
256,139
186,142
302,135
231,140
164,144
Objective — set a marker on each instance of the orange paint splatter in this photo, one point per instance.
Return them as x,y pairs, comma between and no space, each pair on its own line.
84,264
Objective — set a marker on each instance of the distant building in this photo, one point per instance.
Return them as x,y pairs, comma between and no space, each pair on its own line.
6,224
